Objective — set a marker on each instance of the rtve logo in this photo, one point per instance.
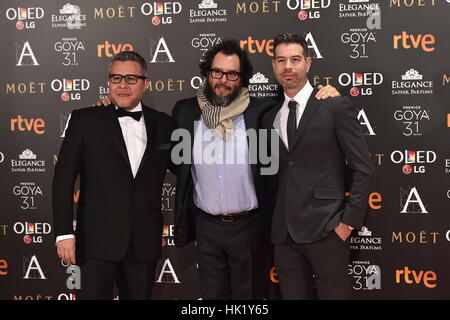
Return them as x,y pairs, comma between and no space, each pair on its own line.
23,124
408,276
104,49
426,42
375,201
3,267
266,46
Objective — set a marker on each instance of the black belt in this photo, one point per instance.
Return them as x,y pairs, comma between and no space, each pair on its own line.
229,217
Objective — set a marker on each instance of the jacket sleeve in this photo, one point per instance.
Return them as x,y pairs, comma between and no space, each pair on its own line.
353,144
66,172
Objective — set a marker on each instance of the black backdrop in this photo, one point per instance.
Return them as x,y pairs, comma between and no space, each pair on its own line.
392,60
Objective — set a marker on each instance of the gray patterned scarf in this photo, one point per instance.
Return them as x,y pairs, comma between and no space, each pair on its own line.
221,118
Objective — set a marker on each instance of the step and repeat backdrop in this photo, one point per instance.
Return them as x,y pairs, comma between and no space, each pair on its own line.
390,56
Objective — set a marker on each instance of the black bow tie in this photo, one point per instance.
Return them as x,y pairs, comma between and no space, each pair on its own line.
135,115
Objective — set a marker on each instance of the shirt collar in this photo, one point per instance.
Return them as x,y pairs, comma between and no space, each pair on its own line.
301,97
137,108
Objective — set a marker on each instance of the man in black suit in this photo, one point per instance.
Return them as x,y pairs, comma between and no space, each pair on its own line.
121,153
312,218
219,202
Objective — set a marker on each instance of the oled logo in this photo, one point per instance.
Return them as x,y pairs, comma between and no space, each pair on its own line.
167,236
361,83
309,9
409,276
407,41
25,124
71,88
33,231
24,15
162,11
414,161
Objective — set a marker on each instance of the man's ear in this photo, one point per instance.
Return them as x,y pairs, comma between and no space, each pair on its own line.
308,63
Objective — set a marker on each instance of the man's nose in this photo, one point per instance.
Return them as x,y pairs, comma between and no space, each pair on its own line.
123,83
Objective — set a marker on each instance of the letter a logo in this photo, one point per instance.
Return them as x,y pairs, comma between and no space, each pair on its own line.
161,53
414,200
24,55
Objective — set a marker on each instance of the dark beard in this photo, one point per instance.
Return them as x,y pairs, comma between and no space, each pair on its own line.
220,101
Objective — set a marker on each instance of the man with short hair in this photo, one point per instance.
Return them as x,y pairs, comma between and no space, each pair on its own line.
121,153
219,202
313,219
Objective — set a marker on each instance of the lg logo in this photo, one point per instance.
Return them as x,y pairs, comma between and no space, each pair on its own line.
2,157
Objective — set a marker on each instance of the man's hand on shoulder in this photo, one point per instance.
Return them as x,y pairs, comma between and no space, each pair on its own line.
104,102
326,92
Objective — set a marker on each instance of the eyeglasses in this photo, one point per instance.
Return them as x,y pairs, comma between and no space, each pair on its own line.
218,74
129,78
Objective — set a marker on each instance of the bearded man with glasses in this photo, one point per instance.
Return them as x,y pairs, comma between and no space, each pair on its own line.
221,203
121,153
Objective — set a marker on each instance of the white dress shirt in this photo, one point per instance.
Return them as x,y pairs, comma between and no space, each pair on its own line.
135,136
282,116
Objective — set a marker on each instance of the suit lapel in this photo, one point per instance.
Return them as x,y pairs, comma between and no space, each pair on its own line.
311,108
191,122
276,124
112,123
250,121
150,128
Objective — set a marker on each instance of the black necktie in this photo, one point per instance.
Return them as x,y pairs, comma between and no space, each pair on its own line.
291,123
135,115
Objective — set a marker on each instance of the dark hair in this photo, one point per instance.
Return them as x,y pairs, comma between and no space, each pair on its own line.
228,47
289,37
130,56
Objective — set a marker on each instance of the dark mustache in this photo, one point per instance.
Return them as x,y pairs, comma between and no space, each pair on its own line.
222,85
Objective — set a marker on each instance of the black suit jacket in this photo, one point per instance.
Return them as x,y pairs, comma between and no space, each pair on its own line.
185,113
314,177
114,207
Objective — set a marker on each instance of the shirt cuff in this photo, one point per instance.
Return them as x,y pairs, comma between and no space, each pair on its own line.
64,237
